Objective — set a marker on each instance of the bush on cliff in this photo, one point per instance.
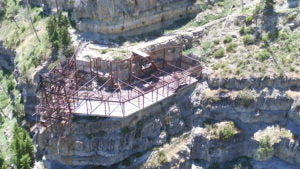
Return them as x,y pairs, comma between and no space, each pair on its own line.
222,131
265,146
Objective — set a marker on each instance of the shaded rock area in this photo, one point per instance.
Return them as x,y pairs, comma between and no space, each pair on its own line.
6,57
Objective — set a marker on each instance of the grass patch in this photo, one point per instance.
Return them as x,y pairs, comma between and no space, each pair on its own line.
248,40
227,39
231,47
263,55
219,53
245,98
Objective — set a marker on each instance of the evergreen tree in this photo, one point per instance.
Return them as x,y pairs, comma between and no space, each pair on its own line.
57,28
25,162
23,148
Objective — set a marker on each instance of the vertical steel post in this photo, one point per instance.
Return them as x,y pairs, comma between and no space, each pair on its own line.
156,94
105,107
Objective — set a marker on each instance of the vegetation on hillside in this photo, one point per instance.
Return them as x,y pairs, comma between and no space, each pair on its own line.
23,29
259,41
57,28
32,49
22,148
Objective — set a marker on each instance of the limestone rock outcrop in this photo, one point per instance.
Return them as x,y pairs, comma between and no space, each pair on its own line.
123,17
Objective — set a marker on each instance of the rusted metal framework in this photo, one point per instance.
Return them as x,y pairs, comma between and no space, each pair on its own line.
68,90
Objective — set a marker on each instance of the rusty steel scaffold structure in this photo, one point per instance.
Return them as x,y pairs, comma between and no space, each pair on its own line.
126,86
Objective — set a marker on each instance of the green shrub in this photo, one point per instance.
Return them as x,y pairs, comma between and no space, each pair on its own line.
264,55
22,148
227,39
217,42
231,47
249,30
219,53
291,16
222,131
273,35
162,158
242,30
104,51
227,132
214,165
249,19
284,35
25,162
245,98
265,146
265,37
168,121
57,28
126,162
13,41
248,40
126,130
11,8
203,5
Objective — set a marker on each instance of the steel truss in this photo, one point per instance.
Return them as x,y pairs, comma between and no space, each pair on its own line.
65,88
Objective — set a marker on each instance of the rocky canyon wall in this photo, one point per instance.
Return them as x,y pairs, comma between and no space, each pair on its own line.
123,17
96,141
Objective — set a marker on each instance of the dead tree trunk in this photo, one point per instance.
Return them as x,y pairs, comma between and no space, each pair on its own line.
30,18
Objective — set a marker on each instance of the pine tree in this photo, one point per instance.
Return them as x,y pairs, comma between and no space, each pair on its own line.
58,32
23,148
25,162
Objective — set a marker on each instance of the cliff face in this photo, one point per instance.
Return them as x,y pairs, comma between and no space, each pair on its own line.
106,141
92,141
120,17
